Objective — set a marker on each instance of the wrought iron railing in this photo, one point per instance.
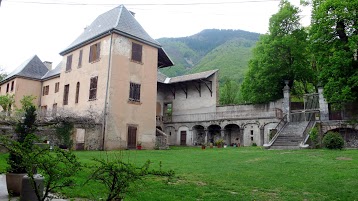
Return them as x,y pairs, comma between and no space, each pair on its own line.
308,128
278,129
303,115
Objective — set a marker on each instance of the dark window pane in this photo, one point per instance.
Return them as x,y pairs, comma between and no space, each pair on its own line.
69,62
65,94
93,88
136,52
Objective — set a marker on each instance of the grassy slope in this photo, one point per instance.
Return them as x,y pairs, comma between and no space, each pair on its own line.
231,58
238,174
228,50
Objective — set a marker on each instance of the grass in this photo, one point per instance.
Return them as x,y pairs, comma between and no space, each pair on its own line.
249,173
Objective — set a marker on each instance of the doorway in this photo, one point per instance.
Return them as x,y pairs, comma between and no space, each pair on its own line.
182,137
132,137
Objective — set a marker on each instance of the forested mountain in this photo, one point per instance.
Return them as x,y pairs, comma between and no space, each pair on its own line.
226,50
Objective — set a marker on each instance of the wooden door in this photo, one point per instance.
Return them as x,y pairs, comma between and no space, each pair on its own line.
182,137
132,137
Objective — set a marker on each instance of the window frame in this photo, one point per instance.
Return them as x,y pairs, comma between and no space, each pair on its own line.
93,88
134,92
77,92
69,63
66,92
57,87
80,58
94,53
45,90
12,85
137,53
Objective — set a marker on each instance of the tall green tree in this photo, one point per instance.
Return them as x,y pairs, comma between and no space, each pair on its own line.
229,92
334,39
280,55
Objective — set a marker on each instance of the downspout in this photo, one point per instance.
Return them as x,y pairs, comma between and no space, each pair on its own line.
104,123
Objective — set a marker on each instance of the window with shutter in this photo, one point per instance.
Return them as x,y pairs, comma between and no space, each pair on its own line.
45,90
77,92
95,52
65,94
137,52
7,87
69,62
134,92
93,88
80,59
57,87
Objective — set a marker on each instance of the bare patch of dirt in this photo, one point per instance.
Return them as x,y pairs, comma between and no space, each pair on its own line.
344,158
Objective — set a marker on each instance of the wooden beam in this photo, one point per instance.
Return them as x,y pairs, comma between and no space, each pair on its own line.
209,85
184,88
198,87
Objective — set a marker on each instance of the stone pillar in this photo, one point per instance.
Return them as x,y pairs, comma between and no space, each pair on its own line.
262,132
222,133
206,136
241,136
286,101
323,105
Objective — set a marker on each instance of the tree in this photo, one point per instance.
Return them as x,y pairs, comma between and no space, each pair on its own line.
6,101
3,74
280,55
334,39
229,92
117,175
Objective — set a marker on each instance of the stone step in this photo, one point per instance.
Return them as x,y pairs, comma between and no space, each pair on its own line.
284,147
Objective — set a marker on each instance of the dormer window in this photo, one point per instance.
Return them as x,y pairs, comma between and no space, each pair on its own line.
137,52
95,52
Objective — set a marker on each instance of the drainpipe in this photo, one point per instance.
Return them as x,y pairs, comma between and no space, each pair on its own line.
104,123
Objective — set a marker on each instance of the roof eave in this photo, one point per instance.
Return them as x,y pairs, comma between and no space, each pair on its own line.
101,35
19,76
86,42
50,77
165,58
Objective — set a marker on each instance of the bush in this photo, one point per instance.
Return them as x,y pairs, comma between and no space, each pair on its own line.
333,140
314,136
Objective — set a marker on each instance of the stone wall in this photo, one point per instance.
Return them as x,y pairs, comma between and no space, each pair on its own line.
92,138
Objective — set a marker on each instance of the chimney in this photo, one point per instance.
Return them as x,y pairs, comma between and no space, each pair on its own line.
48,64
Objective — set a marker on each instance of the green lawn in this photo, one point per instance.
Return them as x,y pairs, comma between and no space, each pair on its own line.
249,173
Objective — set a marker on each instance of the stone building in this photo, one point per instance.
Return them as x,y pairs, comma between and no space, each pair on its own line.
110,75
109,72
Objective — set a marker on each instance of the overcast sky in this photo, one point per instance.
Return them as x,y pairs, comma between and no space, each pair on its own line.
46,27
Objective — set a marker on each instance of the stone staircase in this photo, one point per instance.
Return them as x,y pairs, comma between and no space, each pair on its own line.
291,136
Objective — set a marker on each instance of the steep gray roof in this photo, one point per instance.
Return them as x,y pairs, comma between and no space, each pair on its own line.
32,68
119,20
190,77
53,73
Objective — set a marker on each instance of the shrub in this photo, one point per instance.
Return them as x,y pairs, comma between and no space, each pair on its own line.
314,137
117,176
64,131
333,140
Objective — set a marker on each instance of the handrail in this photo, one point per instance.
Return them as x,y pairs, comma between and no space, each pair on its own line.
278,128
306,135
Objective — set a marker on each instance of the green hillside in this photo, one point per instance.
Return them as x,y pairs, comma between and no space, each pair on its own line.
226,50
231,58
